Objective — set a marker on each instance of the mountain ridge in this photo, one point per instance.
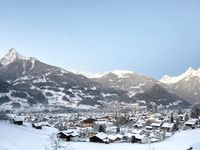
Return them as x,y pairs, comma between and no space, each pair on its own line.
33,82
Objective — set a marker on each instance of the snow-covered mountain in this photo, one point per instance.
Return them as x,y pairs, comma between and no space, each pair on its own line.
141,87
159,96
88,74
33,82
126,80
190,72
25,82
186,85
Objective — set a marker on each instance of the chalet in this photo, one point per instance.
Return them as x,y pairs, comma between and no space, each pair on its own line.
116,138
37,125
100,138
139,138
169,127
140,123
68,135
192,123
88,122
18,120
156,125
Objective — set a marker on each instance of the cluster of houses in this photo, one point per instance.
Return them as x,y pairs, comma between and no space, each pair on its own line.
111,128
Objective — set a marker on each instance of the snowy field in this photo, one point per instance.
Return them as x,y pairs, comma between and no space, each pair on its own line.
14,137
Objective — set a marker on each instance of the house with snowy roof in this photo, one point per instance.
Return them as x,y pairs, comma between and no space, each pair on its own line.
18,120
69,135
191,123
169,127
100,138
116,138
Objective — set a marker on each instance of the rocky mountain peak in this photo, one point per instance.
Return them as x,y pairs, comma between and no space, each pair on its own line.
190,72
11,56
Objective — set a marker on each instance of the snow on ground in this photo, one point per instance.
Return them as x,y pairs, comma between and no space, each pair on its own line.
13,137
180,141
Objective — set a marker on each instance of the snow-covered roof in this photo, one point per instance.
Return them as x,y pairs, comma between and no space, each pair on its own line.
168,125
136,131
113,137
191,121
154,140
156,124
101,135
139,136
70,132
18,118
141,121
41,123
148,127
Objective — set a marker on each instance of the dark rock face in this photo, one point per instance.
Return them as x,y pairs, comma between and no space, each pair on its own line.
161,96
132,82
4,86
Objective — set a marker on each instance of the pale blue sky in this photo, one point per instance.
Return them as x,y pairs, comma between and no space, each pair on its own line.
153,37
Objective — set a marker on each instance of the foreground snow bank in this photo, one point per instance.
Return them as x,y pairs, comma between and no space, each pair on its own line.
14,137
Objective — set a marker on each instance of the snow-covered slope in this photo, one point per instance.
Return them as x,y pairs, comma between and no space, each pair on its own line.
14,137
186,76
34,82
88,74
118,73
126,80
186,85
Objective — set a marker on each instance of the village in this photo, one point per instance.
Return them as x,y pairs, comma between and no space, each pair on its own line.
137,126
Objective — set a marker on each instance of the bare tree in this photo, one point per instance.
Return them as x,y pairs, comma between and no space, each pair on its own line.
3,115
57,144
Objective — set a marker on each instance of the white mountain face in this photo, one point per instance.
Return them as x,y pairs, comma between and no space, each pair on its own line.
11,56
186,85
88,74
119,73
186,76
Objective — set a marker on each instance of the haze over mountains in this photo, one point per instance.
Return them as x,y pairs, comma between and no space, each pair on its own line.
26,82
